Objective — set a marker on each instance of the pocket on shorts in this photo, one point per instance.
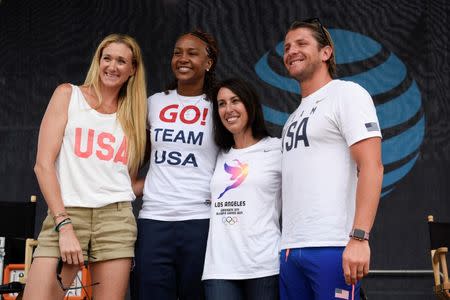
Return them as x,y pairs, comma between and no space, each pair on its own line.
130,219
120,220
48,231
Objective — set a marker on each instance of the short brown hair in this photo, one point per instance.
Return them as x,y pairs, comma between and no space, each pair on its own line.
323,38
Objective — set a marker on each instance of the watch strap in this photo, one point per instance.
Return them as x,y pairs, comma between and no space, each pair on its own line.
359,234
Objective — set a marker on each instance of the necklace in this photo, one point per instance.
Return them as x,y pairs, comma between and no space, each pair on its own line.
181,101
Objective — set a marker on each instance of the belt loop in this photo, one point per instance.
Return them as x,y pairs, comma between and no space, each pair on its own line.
119,206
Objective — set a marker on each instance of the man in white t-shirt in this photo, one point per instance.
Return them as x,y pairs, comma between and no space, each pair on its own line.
332,174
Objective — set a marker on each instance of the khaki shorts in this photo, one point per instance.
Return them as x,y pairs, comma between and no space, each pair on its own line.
110,230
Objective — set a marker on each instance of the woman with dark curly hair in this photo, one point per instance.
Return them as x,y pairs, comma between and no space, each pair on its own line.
174,220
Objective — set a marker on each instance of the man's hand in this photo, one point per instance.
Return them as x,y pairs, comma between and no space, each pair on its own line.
356,260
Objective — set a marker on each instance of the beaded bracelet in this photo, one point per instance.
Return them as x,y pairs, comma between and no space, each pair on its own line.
62,223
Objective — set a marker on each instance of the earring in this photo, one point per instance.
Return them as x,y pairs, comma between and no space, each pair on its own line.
207,70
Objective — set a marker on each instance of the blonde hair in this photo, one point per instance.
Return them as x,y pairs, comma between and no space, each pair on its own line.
132,101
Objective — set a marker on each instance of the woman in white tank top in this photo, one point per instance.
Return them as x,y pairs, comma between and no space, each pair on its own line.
91,144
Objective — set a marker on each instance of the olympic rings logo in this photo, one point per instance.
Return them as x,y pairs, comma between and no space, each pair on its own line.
229,220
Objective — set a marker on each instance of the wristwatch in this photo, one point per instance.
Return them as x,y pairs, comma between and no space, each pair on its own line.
359,234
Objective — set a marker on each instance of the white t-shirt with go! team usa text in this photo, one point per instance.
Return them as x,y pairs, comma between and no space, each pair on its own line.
183,156
244,231
319,174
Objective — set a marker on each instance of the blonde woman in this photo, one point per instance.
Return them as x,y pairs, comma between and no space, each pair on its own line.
91,143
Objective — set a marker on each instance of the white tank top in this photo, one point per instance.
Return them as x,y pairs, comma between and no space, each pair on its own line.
92,163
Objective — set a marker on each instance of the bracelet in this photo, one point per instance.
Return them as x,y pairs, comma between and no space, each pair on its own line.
61,214
62,223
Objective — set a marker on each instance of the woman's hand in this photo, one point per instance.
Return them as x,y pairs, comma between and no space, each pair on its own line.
69,246
138,186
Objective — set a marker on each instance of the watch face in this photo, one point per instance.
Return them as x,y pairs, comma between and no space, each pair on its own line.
359,234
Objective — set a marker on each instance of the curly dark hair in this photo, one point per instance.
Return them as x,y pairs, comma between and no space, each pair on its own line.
212,50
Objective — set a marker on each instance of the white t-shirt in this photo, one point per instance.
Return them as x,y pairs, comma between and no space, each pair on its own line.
183,156
244,231
92,164
319,175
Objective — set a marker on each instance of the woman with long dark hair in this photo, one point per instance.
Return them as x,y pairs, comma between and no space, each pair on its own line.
242,253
